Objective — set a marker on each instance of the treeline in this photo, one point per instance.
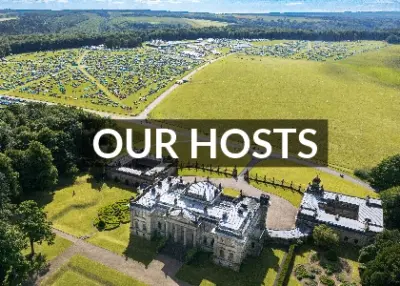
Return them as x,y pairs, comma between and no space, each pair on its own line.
40,42
40,143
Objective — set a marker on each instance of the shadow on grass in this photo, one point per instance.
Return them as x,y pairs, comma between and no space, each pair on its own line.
97,184
141,249
254,270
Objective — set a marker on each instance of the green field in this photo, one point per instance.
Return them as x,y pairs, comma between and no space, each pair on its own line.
74,214
121,241
260,270
51,251
303,176
196,23
361,108
80,270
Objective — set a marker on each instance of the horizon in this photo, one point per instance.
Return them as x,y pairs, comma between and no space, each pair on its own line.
211,6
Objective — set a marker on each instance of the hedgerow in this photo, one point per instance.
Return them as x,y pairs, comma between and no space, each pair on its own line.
111,216
286,265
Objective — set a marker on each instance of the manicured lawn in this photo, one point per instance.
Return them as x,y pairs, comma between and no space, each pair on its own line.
74,213
231,192
122,242
304,175
359,104
292,196
254,271
80,270
51,251
204,174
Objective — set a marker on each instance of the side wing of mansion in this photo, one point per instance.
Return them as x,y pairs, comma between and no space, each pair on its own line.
199,215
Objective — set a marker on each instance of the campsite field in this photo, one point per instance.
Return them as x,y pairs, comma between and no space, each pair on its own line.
83,271
361,104
121,81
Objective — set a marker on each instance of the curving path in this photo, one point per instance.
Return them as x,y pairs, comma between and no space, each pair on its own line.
281,213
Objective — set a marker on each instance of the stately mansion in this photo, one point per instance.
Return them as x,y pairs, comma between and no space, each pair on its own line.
199,215
356,220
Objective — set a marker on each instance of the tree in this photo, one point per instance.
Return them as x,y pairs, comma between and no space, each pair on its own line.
325,237
393,39
383,240
387,173
384,270
391,207
35,166
32,221
13,265
9,187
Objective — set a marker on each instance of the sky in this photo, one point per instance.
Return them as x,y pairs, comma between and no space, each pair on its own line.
216,6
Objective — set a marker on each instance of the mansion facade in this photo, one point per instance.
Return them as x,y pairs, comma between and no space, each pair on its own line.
199,215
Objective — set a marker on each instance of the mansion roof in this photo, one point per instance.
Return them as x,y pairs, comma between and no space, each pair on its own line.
364,214
200,201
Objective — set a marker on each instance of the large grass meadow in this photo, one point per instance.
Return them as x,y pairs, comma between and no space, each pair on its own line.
72,209
359,96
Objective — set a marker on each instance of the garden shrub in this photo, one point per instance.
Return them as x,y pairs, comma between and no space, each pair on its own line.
113,215
363,174
311,283
302,273
331,255
326,280
190,255
314,257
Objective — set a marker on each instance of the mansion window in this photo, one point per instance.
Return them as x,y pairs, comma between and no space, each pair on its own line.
231,256
136,224
221,253
159,225
212,242
204,240
144,227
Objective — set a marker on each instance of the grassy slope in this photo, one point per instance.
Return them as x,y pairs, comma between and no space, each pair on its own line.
84,271
51,251
121,241
304,175
254,271
74,214
359,108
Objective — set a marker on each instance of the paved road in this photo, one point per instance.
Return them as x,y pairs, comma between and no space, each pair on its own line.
161,271
145,113
281,213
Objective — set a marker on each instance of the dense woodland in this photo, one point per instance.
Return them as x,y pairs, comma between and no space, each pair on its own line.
49,30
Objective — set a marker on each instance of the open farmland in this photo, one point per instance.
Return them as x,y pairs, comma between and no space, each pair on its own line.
361,104
197,23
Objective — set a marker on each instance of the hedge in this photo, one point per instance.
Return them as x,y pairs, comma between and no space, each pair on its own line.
111,216
286,266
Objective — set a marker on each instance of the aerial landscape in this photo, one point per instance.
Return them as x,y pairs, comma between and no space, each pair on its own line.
70,69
